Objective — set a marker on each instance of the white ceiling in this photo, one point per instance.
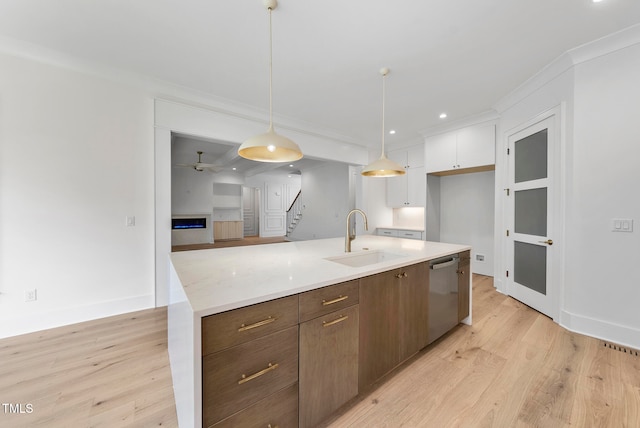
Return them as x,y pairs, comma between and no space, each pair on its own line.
458,56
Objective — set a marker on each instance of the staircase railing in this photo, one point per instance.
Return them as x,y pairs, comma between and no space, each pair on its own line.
294,213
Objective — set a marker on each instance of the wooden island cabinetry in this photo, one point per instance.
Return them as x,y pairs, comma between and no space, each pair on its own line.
328,351
296,359
250,365
393,320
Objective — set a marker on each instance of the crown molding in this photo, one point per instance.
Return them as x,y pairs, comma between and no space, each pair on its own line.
160,89
477,119
567,61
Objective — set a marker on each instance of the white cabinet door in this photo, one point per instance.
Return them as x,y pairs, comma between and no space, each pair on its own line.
408,190
468,147
440,152
416,187
415,156
476,146
398,156
397,191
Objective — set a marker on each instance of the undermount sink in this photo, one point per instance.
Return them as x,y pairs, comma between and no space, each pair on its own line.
364,258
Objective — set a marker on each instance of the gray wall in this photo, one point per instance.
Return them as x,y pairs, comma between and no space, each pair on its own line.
326,200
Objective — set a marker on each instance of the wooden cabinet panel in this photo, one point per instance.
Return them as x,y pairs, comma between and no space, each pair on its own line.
328,364
393,320
328,299
379,350
231,328
226,230
237,377
464,293
277,410
413,309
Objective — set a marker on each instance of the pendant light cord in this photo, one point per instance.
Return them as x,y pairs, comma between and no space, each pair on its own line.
384,75
270,73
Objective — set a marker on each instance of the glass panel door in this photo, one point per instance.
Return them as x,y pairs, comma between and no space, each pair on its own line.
530,208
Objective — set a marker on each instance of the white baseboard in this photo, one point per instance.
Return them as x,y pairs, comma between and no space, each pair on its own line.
604,330
32,322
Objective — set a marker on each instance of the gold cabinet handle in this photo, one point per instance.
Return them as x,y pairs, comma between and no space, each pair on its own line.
401,275
548,242
331,302
246,378
258,324
272,426
336,321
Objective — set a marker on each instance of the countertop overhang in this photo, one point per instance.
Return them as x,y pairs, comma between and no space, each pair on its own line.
218,280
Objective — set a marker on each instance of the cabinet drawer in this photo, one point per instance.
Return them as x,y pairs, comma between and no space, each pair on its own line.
409,234
328,299
231,328
240,376
277,410
387,232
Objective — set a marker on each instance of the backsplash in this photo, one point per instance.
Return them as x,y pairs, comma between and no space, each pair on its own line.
412,217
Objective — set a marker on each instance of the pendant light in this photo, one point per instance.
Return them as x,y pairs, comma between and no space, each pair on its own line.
270,147
383,167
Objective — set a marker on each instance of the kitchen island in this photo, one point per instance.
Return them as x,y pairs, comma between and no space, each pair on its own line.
205,283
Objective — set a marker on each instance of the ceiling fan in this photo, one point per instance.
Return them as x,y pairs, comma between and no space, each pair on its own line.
199,166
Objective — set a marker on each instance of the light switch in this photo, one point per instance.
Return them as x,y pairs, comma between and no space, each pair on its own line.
131,221
622,225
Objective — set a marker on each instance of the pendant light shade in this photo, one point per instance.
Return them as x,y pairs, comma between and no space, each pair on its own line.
270,147
383,167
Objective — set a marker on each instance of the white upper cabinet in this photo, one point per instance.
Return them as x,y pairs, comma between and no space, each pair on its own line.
408,190
469,147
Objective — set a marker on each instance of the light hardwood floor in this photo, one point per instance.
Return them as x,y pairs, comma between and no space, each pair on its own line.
113,372
512,368
247,240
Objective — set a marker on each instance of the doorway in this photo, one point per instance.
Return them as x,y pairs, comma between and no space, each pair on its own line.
533,207
251,210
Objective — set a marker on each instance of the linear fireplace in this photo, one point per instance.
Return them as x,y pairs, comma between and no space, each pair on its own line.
189,223
189,229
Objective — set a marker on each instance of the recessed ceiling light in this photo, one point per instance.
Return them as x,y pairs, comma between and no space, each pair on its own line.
392,131
290,165
597,1
443,115
234,168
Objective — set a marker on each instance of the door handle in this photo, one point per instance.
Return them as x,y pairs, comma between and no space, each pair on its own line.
548,242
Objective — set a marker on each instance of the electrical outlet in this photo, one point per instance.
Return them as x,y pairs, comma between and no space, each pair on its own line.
480,257
31,295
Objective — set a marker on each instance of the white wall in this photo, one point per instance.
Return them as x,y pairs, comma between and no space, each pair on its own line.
603,282
76,158
325,199
600,176
467,215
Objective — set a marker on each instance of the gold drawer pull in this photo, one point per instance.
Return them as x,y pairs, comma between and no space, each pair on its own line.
331,302
336,321
246,378
258,324
272,426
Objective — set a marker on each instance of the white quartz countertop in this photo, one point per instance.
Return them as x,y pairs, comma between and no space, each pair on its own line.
221,279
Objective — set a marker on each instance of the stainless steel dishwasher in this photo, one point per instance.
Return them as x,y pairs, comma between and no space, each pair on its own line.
443,295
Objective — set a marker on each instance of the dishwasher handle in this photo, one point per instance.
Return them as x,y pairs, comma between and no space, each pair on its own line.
443,265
